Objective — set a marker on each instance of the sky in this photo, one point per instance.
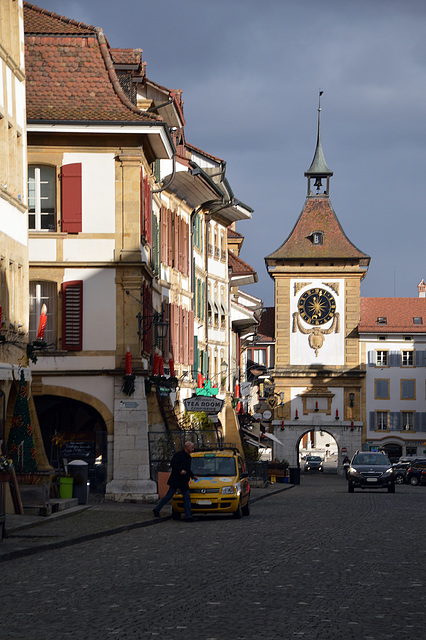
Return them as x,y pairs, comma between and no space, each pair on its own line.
251,72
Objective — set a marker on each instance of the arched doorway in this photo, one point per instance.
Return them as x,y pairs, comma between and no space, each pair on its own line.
318,443
73,429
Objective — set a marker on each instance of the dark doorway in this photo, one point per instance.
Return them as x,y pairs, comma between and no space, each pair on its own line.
70,425
393,451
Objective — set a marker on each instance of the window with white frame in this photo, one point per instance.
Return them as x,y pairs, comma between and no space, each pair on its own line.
382,421
407,359
41,198
407,420
382,358
44,292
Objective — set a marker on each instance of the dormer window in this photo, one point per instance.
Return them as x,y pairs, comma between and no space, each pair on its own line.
317,237
382,320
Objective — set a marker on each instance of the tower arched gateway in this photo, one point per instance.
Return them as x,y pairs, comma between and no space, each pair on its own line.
317,273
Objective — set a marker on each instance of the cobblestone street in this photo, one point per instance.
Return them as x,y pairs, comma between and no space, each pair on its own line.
313,562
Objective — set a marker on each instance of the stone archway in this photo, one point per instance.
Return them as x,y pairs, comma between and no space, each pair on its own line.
75,417
324,444
347,436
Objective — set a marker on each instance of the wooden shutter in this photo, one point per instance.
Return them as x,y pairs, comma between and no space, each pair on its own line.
191,337
372,420
164,235
71,198
395,359
185,318
72,315
186,248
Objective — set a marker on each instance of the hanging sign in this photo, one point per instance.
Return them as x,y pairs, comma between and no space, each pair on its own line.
203,403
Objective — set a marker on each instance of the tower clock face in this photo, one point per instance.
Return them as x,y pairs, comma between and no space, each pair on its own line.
316,306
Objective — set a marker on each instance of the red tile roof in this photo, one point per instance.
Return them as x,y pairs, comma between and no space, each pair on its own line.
234,234
70,74
398,312
266,329
318,215
127,56
239,267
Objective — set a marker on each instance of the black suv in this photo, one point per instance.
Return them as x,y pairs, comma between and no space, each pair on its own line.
416,472
371,470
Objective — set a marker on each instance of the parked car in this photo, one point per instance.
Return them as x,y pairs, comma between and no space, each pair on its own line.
400,471
416,472
312,463
222,485
370,470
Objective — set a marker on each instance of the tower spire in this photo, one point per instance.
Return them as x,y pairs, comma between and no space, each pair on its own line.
318,168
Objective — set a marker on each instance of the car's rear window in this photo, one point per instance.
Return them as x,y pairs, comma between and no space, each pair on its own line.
214,466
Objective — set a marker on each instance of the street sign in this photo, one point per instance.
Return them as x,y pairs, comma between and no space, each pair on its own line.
267,415
344,450
203,403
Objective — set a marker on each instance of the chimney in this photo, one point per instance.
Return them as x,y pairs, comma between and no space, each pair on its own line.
422,289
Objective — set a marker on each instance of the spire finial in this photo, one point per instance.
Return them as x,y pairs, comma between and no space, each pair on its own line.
318,168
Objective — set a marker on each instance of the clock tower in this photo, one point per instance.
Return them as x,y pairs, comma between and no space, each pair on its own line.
317,273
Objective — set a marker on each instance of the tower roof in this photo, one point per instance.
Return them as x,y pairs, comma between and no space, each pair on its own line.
318,234
318,168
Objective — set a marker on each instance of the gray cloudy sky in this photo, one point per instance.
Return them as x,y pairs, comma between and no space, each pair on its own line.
250,73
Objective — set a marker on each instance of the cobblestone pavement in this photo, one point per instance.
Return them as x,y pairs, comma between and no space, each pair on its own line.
314,562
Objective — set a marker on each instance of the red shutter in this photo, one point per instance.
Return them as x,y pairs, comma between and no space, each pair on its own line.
176,341
181,335
71,199
185,251
170,237
172,331
191,337
186,336
176,240
72,315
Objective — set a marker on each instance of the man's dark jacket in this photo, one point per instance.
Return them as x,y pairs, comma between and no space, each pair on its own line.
180,461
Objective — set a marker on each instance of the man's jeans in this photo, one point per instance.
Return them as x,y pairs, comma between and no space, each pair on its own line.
169,495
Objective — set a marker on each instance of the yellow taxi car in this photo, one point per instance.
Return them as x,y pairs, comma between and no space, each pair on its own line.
221,487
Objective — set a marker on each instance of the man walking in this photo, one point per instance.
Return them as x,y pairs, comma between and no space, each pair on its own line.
179,479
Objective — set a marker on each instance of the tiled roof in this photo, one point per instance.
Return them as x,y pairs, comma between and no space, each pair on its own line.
239,267
266,329
396,314
39,21
70,74
318,215
234,234
127,56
